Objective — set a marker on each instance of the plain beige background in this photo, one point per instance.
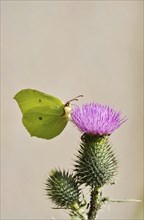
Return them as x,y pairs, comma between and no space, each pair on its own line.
67,48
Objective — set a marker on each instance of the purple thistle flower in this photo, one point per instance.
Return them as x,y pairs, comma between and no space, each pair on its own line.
96,119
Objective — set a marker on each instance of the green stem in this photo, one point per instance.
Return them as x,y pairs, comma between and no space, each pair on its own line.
77,212
95,203
78,216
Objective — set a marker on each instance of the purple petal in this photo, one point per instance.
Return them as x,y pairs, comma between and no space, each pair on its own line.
96,118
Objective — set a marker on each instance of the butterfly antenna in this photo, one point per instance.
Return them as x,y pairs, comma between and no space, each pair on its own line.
74,99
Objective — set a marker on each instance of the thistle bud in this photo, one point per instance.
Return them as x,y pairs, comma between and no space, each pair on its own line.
62,189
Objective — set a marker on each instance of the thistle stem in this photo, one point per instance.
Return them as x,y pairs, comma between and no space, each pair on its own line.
78,212
95,203
78,216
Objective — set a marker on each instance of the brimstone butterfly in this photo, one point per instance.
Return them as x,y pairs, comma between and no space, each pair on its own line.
44,116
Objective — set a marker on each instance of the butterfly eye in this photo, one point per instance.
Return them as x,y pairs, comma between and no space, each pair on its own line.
67,104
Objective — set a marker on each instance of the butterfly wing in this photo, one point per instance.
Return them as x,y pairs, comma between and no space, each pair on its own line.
30,98
45,122
44,115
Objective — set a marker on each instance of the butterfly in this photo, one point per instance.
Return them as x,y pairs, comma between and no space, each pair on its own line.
44,116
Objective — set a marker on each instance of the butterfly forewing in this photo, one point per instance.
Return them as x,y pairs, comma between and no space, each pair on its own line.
30,98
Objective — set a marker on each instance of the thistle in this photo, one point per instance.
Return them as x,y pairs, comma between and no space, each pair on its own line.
96,164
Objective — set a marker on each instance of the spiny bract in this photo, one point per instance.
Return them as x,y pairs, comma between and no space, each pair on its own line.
96,164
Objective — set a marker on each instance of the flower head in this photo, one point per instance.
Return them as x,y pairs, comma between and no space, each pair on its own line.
96,119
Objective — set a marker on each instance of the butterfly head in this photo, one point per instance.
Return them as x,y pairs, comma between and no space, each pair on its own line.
67,105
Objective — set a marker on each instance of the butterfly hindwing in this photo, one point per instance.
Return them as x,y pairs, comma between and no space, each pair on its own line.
44,122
